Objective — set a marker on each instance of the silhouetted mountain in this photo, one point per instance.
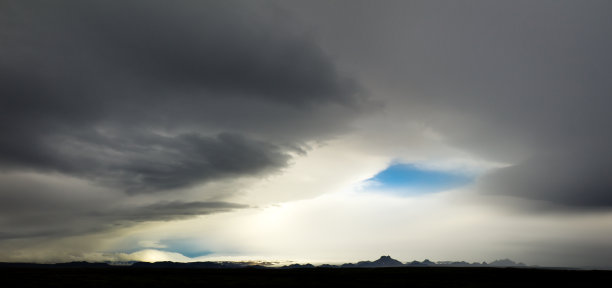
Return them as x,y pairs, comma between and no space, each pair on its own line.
505,263
164,264
460,263
387,261
256,267
455,263
328,266
427,262
82,264
415,263
293,266
383,261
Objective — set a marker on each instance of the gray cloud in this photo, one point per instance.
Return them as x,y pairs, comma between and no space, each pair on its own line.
150,96
520,82
36,206
164,211
107,107
143,163
43,218
578,181
111,112
55,223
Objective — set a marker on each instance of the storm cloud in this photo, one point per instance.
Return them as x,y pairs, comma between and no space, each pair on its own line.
149,97
117,116
35,205
109,112
517,82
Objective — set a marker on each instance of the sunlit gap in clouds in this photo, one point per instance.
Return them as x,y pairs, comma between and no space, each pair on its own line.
407,179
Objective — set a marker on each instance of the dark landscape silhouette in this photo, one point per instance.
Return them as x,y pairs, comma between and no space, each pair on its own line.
385,271
382,262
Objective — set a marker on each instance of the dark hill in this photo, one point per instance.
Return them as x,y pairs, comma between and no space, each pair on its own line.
383,261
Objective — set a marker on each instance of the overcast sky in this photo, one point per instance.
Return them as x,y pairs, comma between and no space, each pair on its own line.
312,131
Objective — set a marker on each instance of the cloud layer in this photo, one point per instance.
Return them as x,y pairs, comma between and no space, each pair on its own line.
110,111
117,115
518,82
151,97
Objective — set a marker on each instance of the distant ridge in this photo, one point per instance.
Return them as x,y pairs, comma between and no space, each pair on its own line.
81,264
505,263
383,261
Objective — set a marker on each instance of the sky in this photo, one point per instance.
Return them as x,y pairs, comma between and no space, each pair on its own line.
306,131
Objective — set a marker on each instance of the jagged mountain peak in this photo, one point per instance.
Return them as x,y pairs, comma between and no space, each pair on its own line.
386,261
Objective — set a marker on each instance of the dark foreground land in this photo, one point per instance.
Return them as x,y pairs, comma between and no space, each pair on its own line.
316,277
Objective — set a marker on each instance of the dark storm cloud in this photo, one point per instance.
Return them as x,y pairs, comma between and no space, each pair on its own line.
578,181
533,80
77,221
520,82
164,211
150,96
41,207
144,163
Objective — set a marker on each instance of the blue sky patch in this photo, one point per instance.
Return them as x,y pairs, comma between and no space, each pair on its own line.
188,247
409,179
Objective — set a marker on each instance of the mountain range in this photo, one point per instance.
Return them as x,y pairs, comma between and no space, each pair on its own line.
383,261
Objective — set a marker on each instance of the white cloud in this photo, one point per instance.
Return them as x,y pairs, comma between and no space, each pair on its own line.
151,244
